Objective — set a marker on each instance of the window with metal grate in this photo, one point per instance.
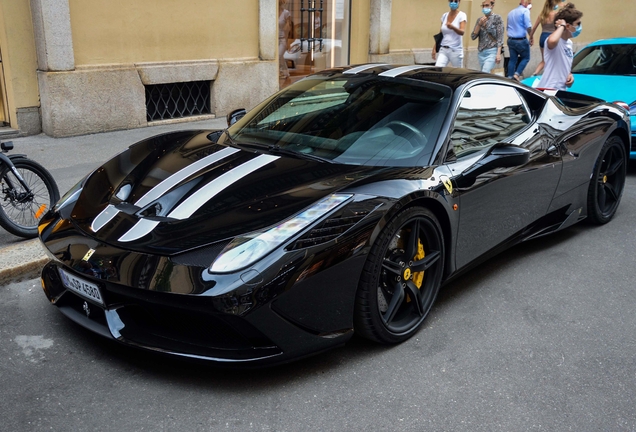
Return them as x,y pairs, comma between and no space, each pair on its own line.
177,100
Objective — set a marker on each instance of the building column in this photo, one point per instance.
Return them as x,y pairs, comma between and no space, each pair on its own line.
267,29
380,27
53,38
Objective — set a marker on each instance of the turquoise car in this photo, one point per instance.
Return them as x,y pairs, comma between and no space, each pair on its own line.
606,69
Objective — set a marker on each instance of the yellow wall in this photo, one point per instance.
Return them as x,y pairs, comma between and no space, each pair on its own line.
135,31
414,22
601,20
18,54
360,15
131,31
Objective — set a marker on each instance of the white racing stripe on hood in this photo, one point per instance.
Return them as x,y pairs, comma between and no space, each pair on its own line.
163,187
156,192
141,228
104,217
200,197
207,192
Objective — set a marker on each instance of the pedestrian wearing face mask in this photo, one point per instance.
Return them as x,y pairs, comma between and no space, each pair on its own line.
518,28
558,49
453,26
489,29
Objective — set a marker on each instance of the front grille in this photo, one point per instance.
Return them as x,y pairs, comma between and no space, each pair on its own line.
185,330
177,100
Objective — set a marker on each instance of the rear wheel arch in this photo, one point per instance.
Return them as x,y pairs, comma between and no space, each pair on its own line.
607,181
624,136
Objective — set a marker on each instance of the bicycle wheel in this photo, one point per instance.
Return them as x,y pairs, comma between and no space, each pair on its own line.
21,210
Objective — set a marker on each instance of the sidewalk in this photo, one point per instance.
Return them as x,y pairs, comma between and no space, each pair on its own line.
68,159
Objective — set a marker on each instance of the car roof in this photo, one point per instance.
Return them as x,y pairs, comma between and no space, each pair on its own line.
615,41
448,76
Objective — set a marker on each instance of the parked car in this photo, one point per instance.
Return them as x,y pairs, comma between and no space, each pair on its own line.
606,69
341,204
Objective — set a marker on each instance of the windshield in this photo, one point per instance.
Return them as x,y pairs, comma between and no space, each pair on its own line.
606,60
361,120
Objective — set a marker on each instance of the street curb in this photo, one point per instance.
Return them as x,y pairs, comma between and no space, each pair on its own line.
22,261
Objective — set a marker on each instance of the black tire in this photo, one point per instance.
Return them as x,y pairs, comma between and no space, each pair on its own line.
20,212
385,311
608,181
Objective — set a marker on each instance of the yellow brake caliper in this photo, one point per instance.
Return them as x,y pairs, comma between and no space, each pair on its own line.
418,277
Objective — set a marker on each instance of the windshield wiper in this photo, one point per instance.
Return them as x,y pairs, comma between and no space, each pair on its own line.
275,149
288,152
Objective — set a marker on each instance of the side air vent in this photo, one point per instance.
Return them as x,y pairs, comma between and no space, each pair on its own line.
330,228
177,100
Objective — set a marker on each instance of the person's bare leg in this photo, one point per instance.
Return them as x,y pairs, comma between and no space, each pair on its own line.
540,66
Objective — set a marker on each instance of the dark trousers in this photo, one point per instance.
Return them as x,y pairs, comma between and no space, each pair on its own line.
520,49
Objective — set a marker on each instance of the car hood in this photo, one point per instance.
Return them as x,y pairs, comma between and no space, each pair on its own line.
180,191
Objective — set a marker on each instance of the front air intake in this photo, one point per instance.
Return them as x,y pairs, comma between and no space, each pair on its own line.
329,229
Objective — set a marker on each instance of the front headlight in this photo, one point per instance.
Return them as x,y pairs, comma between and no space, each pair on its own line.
249,248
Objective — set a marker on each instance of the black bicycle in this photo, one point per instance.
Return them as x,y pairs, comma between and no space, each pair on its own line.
28,191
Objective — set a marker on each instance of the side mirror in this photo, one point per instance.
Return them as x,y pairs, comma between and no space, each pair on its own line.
235,116
215,135
501,155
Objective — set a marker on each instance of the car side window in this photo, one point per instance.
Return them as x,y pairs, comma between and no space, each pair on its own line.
488,114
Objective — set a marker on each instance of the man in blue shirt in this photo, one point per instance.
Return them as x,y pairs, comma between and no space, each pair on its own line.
519,25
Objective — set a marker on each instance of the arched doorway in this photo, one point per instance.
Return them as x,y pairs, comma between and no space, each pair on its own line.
313,35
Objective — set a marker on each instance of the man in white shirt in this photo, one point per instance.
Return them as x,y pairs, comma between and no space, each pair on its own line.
557,54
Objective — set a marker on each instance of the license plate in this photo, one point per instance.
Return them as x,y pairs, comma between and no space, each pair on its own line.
80,286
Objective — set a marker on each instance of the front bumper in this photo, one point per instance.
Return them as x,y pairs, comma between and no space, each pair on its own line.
189,326
165,322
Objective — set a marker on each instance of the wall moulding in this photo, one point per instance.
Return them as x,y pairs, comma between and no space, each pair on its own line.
171,72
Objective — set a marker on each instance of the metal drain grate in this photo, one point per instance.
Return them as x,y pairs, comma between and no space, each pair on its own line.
176,100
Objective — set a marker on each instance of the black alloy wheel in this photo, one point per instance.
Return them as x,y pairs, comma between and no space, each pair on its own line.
608,181
401,277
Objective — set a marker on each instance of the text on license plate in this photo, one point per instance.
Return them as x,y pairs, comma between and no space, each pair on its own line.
81,287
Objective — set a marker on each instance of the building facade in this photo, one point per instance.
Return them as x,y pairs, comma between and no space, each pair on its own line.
72,67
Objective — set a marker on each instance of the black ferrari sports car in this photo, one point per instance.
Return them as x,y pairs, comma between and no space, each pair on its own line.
340,204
